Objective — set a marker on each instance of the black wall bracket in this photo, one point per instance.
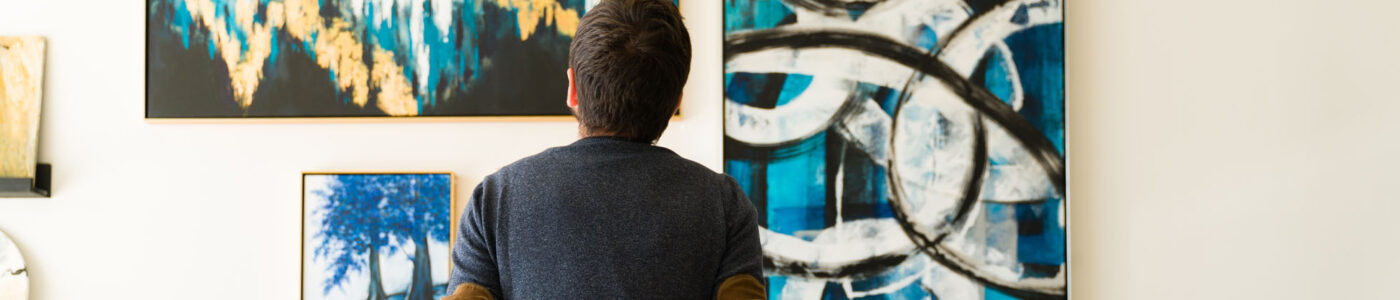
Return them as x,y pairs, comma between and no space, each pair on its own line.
19,187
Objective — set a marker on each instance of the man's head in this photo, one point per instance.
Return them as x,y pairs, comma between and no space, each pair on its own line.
627,66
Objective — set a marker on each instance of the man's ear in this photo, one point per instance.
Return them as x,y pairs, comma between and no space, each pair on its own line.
678,105
572,99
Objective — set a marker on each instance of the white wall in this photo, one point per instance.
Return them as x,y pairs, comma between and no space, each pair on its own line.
1220,150
1234,149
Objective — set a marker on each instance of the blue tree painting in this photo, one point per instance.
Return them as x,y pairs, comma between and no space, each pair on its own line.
376,236
901,149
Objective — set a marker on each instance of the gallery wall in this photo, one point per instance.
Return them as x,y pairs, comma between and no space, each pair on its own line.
1233,149
1218,150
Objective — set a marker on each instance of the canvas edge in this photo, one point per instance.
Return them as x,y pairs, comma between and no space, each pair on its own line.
1068,203
38,106
363,120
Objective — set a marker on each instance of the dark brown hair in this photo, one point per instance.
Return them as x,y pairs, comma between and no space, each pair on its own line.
631,58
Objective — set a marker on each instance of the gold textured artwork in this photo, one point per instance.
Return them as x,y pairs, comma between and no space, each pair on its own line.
531,13
21,76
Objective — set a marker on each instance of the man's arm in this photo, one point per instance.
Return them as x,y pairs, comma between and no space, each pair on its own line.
474,272
742,263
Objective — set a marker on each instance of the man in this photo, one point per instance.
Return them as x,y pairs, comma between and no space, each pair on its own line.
611,215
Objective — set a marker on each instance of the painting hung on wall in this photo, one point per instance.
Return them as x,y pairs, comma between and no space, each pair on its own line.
376,235
21,87
358,58
901,149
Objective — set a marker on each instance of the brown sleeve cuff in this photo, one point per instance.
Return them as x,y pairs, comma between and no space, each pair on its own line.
470,291
741,287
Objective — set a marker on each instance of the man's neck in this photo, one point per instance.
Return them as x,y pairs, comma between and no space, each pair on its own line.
584,133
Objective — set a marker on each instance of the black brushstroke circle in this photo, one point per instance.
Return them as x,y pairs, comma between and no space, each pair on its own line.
977,97
981,100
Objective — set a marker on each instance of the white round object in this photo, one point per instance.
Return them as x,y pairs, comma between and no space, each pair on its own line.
14,277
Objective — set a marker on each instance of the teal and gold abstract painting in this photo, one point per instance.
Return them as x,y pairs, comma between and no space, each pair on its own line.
358,58
376,235
901,149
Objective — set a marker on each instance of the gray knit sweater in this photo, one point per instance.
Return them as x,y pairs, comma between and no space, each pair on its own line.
605,218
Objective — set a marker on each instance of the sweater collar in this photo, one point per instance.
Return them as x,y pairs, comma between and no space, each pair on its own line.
617,143
609,140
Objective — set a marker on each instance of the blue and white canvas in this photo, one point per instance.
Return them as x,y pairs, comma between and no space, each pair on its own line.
901,149
376,236
358,58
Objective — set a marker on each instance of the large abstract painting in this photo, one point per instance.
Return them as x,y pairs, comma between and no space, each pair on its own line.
376,235
901,149
358,58
21,79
